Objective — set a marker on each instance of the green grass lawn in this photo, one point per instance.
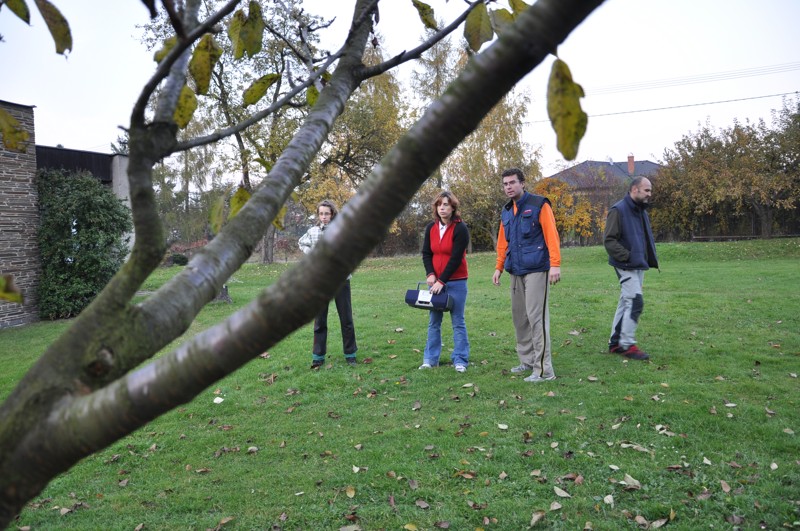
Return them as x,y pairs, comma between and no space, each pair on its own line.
705,435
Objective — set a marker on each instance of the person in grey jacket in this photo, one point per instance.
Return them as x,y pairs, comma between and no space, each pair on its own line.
631,249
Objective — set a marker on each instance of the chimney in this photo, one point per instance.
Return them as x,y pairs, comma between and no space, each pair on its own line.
631,165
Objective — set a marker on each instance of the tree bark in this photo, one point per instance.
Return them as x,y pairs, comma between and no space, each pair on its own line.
83,393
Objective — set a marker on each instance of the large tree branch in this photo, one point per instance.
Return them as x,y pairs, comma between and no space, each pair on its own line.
83,421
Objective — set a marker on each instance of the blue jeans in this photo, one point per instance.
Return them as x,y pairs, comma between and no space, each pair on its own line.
457,289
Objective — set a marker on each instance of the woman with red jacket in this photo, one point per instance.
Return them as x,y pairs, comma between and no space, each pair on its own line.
444,257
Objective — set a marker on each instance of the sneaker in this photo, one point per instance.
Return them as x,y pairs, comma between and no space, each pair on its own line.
461,368
351,361
537,379
425,366
614,349
635,353
521,368
316,364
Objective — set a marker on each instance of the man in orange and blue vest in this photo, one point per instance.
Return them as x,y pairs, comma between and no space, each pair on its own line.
528,248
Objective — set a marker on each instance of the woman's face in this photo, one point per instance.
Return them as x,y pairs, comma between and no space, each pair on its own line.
445,210
324,215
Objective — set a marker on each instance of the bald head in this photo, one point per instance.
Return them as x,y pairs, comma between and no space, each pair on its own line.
641,190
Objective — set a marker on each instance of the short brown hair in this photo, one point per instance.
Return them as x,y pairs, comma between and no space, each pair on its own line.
438,201
512,172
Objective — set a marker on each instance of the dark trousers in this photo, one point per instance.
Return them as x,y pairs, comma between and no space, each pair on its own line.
344,308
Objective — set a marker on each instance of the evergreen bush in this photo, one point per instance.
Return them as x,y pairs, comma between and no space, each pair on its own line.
82,240
179,259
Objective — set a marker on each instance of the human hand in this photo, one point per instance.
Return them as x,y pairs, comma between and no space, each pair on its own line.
437,287
555,275
496,277
431,280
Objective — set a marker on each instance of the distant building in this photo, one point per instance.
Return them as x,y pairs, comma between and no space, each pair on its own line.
19,206
593,176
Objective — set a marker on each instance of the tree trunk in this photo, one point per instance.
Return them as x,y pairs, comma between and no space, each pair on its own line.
268,246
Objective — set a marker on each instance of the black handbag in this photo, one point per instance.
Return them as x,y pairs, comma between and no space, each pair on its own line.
425,300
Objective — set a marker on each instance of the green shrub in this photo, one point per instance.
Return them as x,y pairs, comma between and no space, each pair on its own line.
82,240
179,259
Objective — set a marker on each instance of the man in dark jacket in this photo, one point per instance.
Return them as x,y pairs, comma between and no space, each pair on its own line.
628,240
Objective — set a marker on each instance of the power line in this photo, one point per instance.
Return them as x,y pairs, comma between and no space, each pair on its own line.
679,106
691,80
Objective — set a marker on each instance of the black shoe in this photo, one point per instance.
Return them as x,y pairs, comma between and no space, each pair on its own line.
351,361
316,364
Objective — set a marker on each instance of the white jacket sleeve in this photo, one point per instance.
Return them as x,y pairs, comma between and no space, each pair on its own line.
305,242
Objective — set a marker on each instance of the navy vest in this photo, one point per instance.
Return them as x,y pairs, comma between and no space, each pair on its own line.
527,251
637,236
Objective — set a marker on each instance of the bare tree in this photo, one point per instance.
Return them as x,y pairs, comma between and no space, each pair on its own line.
86,391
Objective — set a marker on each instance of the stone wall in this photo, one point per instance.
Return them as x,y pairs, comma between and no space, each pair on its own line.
19,221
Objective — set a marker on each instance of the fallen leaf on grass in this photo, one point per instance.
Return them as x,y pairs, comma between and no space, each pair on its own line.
634,446
417,406
706,494
592,378
734,519
773,466
789,431
350,491
631,483
442,525
410,527
422,504
725,487
609,500
730,404
561,493
537,517
769,412
502,426
555,506
706,461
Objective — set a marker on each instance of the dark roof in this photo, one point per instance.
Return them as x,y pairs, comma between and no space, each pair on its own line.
4,102
586,173
98,164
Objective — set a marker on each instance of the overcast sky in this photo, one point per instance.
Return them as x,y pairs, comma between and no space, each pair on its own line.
653,70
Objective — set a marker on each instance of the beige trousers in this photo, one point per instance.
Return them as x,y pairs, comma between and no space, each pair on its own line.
530,310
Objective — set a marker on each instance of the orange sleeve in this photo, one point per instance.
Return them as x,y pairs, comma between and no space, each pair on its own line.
548,222
502,247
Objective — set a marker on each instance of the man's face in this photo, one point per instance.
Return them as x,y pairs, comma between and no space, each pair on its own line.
641,193
513,187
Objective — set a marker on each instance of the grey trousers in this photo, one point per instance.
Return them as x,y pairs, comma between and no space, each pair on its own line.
530,310
629,308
